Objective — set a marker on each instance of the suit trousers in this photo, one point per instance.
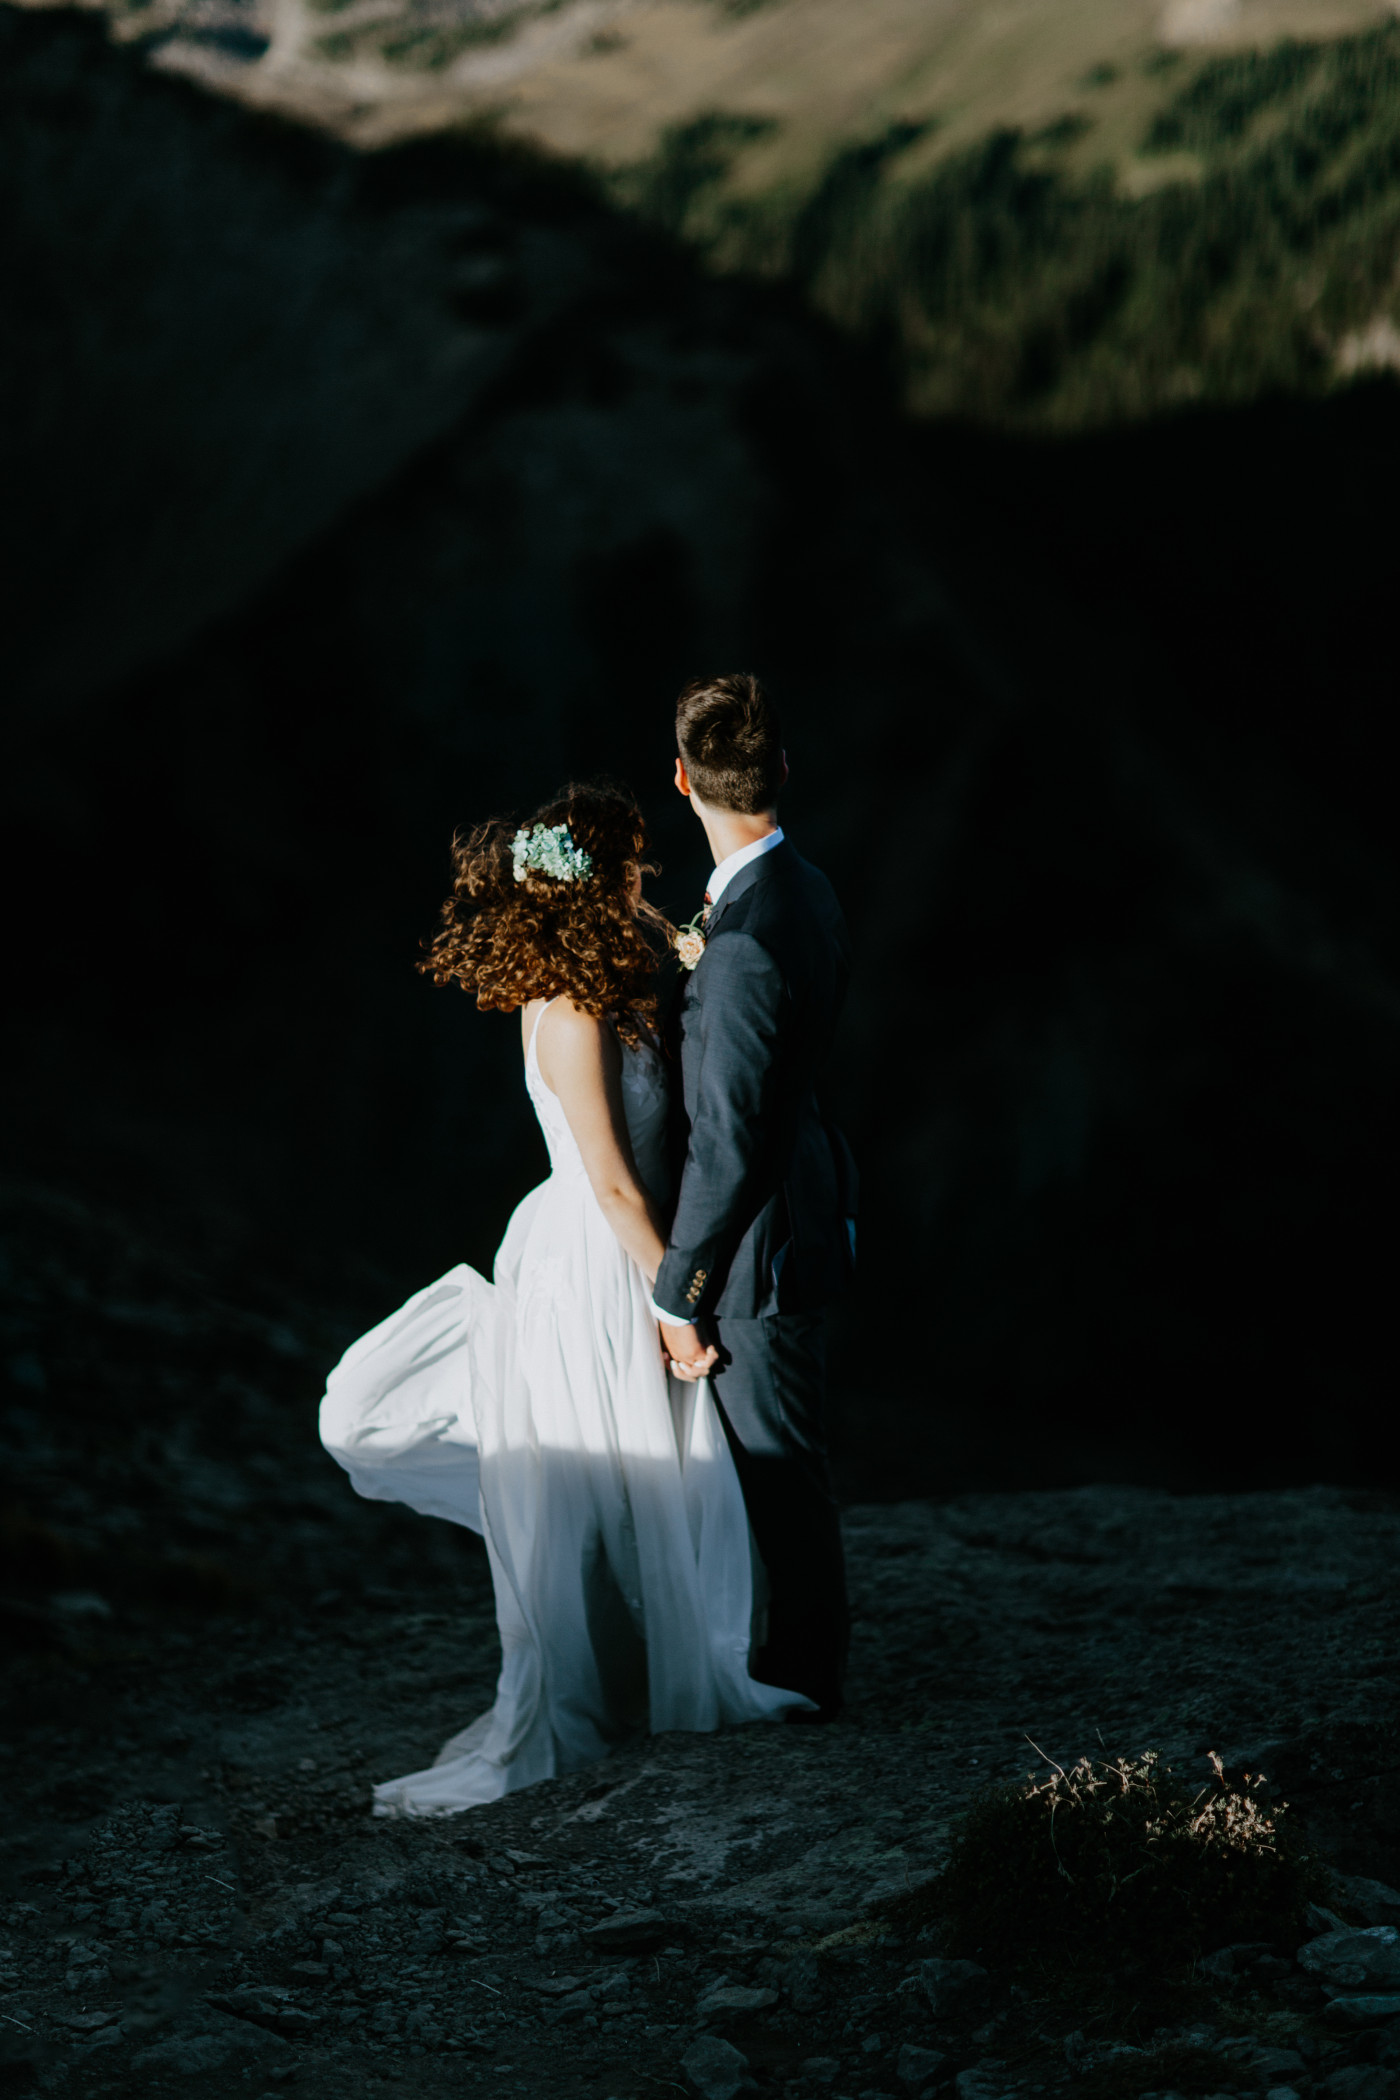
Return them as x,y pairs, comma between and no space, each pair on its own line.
770,1389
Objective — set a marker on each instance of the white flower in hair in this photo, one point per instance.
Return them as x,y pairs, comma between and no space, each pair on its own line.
549,850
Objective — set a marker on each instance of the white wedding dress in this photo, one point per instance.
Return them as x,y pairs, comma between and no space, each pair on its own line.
536,1410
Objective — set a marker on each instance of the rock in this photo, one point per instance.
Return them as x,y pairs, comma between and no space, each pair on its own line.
820,1920
1367,2009
802,1984
734,1998
1319,1920
984,2081
570,2008
953,1987
105,2038
1276,2065
1283,2092
824,2070
265,2006
1372,1900
1353,1958
188,2056
716,2070
917,2066
194,2051
631,1930
1361,2082
1232,1961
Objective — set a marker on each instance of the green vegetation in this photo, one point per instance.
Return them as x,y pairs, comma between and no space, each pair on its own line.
1221,101
1118,1864
425,45
1018,283
683,186
433,44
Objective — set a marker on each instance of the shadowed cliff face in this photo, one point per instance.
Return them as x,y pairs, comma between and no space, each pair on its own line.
221,332
363,498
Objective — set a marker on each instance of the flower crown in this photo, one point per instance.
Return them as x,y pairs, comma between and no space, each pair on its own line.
549,850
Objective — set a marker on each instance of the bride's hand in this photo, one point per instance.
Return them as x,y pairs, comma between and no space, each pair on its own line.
687,1357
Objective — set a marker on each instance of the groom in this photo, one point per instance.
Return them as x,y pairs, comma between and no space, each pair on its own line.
762,1239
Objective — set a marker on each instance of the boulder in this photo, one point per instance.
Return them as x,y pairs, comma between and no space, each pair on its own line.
715,2070
1355,1960
1361,2082
953,1987
197,2047
985,2081
734,1998
802,1984
631,1931
1373,1901
1233,1960
917,2067
1278,2066
1364,2009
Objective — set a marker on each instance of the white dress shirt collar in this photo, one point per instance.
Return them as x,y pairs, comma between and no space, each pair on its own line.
729,867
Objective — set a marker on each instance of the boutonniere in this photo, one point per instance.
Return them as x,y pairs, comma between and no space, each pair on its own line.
689,942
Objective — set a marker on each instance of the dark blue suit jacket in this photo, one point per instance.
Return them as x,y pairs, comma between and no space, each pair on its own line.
768,1185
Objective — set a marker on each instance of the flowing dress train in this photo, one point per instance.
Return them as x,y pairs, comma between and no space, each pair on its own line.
536,1410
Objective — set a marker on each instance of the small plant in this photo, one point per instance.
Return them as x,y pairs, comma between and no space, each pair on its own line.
1119,1863
429,45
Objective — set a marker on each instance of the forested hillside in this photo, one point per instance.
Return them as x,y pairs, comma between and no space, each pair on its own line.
1020,281
1061,216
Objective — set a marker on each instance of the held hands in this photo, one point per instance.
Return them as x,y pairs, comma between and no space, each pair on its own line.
687,1357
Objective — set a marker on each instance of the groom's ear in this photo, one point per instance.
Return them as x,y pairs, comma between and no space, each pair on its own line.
682,777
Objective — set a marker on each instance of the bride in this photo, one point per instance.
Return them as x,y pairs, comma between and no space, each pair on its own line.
537,1409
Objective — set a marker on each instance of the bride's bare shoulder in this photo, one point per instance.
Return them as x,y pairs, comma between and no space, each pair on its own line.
567,1038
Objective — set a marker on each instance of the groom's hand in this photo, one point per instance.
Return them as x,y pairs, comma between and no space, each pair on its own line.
687,1356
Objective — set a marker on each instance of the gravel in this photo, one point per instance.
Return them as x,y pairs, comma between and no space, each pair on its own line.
192,1887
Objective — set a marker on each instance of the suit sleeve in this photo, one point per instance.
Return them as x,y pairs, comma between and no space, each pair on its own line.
743,1009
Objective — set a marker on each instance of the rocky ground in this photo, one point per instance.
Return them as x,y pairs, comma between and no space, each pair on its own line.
216,1648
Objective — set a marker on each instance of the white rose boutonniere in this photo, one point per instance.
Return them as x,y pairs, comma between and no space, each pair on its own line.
690,943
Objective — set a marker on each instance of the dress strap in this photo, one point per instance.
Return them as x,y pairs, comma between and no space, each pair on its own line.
530,1046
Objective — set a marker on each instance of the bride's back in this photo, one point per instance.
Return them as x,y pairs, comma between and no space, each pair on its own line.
645,1102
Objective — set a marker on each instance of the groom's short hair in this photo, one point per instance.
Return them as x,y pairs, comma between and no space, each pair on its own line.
731,743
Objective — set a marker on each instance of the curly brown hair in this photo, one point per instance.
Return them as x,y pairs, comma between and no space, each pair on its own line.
511,941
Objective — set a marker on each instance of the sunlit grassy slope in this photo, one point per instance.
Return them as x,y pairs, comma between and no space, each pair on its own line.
1251,244
1055,212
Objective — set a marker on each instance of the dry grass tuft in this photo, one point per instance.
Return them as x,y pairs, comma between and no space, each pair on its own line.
1118,1864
